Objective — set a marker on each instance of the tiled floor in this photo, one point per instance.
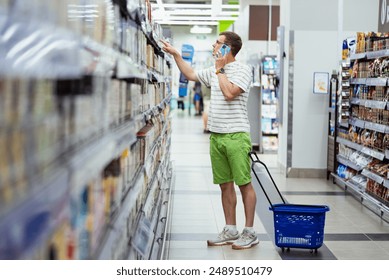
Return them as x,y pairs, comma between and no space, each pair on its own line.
352,232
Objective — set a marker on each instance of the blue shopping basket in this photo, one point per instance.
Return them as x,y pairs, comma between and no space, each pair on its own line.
295,225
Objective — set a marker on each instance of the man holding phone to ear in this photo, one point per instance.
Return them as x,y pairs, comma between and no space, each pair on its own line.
230,140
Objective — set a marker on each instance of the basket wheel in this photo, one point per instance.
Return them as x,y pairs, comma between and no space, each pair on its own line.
312,251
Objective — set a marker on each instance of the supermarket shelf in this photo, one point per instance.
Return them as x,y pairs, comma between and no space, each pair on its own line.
369,81
348,163
354,187
357,122
375,177
377,54
81,165
78,55
154,76
125,135
167,204
359,81
127,69
42,48
361,148
375,104
355,101
94,156
357,56
369,125
38,214
376,81
344,124
366,199
156,110
377,127
113,233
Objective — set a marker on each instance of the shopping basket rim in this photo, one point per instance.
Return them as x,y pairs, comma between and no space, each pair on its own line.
299,208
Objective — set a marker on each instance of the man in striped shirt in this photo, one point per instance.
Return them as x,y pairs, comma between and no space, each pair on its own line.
230,140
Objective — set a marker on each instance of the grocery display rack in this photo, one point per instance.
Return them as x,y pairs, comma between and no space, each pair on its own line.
77,178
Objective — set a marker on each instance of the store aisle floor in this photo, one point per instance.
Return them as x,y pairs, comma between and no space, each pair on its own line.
352,231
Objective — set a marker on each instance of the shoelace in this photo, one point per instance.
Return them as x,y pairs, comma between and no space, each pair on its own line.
246,236
223,233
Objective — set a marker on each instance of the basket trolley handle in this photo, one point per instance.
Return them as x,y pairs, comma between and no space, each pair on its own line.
255,159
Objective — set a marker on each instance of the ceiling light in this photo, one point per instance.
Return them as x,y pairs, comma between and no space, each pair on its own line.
185,22
200,29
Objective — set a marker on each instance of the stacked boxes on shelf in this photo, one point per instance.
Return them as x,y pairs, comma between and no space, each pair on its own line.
269,118
344,94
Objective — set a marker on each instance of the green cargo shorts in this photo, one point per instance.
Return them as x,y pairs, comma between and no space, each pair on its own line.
230,159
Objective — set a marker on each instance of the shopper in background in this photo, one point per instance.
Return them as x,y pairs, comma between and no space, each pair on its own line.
230,140
197,98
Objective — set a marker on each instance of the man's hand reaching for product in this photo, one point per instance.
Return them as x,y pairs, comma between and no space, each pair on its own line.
169,48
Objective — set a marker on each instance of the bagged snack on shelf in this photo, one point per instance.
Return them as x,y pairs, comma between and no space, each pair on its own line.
384,70
360,48
354,73
385,142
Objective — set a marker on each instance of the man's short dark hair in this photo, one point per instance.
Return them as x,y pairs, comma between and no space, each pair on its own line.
233,40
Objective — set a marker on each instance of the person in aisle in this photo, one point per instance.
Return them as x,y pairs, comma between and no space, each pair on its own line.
197,98
230,140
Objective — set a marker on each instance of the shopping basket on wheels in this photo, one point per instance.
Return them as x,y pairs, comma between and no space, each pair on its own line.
295,225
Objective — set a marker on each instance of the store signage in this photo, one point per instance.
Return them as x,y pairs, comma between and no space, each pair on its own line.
383,17
187,52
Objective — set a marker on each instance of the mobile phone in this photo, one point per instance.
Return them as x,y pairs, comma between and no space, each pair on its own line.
224,49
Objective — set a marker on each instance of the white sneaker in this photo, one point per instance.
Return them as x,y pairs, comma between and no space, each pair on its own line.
245,241
224,238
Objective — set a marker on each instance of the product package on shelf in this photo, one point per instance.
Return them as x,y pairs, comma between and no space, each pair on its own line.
270,143
131,40
147,137
153,94
378,191
79,205
142,54
59,246
159,93
146,105
152,200
149,56
136,99
127,169
143,238
98,217
82,108
113,185
114,103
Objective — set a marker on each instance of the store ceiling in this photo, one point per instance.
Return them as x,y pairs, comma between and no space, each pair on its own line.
194,12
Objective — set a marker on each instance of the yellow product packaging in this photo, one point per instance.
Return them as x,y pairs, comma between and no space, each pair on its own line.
107,189
58,246
19,161
6,192
345,51
97,218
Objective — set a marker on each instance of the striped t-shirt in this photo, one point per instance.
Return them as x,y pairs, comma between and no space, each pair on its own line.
228,116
